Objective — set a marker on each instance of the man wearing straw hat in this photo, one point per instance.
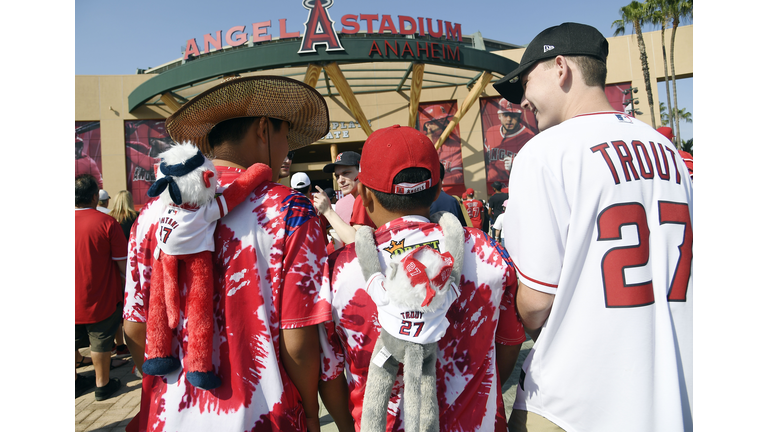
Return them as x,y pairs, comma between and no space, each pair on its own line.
268,260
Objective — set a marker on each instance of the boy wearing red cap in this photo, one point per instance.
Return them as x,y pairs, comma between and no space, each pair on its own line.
400,178
474,209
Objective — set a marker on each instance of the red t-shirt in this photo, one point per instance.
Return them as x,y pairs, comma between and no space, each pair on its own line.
359,215
99,242
498,147
86,165
450,157
475,212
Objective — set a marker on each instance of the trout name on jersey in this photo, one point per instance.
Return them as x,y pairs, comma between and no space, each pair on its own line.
410,315
635,162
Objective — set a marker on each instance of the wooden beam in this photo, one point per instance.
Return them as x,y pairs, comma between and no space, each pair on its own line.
312,75
337,76
417,78
170,102
334,153
468,102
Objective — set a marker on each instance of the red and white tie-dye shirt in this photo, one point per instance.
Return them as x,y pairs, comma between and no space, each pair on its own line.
268,261
468,391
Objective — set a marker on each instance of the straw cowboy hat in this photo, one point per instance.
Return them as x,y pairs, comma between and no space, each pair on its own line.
259,96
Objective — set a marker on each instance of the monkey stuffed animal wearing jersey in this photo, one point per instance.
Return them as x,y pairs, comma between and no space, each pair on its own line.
186,185
412,300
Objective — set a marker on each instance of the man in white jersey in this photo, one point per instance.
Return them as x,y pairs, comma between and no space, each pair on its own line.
599,229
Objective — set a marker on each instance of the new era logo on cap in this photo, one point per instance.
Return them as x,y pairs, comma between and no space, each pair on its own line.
567,39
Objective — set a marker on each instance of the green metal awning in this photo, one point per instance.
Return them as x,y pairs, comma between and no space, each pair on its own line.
370,63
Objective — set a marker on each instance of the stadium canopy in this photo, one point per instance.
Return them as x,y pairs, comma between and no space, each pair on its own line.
367,63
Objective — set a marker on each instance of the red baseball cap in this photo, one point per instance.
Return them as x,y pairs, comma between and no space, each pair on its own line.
470,191
688,159
667,132
506,106
390,150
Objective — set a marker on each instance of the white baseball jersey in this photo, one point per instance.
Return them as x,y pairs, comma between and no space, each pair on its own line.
601,218
185,230
428,327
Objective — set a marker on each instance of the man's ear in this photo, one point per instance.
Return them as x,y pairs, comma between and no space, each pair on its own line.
365,194
261,125
564,71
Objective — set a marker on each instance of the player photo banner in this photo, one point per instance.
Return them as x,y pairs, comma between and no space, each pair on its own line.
506,129
144,141
88,150
433,119
617,98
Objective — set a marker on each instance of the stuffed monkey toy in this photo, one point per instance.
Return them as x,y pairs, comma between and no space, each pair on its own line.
186,185
412,300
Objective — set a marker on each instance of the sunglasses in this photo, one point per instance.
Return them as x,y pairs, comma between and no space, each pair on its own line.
290,154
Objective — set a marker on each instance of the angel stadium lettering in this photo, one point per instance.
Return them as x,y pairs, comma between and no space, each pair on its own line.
634,161
319,30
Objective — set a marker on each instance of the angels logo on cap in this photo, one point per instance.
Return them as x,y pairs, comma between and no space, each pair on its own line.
506,106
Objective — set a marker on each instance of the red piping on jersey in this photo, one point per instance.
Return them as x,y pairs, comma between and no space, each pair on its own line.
221,208
598,113
532,279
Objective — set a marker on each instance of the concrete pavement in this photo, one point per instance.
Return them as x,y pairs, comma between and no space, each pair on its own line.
115,413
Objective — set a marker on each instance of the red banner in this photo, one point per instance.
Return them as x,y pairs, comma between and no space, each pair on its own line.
433,119
88,150
144,141
506,129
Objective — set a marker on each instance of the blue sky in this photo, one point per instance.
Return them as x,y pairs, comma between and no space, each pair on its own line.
117,37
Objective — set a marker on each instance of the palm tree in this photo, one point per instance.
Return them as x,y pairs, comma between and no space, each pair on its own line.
681,114
663,116
678,10
659,15
688,146
637,15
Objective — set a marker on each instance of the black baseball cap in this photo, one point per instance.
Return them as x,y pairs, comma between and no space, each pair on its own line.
347,158
566,39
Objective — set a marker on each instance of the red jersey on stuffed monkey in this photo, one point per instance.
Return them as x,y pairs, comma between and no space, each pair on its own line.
186,184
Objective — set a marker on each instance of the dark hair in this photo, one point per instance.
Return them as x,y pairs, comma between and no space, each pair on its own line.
85,188
442,171
592,69
415,201
234,130
497,185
